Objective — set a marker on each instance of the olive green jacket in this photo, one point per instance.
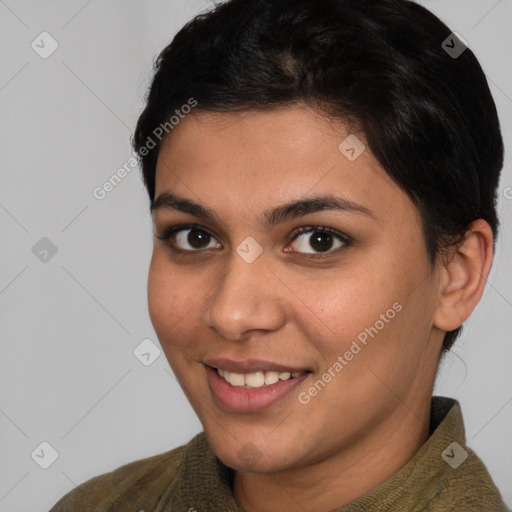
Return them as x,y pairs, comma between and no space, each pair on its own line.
444,475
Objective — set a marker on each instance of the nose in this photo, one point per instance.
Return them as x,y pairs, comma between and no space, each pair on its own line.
246,299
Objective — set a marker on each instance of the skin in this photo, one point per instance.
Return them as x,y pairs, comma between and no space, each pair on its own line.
302,307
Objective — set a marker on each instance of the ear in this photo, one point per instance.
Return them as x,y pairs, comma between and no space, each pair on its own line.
463,275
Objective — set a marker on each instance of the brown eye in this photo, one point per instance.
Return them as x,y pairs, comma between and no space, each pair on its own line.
319,239
195,239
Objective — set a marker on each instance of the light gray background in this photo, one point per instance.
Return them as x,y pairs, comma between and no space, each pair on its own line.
68,374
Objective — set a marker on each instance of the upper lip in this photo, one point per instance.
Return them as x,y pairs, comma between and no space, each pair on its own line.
252,365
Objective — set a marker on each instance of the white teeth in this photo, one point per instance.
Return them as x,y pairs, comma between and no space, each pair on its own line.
271,377
235,379
255,379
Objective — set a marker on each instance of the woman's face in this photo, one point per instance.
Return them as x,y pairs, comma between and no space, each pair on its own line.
349,308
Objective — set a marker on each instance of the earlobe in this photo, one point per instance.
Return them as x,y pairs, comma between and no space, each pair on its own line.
464,273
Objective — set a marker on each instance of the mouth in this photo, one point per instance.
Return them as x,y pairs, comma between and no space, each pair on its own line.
256,380
251,386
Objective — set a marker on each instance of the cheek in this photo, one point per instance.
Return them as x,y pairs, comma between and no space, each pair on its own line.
159,294
368,313
341,305
173,308
362,330
172,302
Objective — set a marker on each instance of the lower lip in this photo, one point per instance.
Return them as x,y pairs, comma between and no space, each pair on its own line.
247,399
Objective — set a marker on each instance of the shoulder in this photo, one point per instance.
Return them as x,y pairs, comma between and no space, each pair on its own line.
468,487
139,483
462,479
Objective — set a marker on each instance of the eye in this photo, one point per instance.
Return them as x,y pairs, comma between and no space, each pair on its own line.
192,238
188,238
319,239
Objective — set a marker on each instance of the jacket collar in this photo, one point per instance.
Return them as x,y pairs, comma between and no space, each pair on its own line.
202,474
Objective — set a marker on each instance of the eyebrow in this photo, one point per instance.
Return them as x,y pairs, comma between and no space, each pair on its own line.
269,218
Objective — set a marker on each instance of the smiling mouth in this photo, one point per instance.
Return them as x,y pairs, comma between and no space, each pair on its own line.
256,380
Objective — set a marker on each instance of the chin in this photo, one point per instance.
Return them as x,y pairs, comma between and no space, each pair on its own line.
249,459
252,453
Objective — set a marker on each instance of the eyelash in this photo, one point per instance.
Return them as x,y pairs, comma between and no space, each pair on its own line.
172,230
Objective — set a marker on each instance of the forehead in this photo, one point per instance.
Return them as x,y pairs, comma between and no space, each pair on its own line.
256,158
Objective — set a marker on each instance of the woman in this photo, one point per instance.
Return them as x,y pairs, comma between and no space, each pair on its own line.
322,178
